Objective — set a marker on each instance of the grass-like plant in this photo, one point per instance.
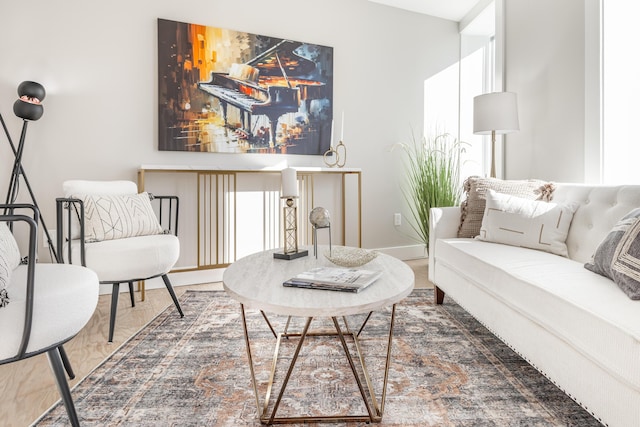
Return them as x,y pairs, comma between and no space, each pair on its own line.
433,178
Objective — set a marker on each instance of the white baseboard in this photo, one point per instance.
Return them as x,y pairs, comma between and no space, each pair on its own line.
404,253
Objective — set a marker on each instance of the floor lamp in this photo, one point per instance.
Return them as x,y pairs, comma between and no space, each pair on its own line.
28,107
495,113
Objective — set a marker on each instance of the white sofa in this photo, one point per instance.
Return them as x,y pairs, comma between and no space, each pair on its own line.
576,327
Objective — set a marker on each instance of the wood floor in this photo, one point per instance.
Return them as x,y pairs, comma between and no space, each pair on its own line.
28,388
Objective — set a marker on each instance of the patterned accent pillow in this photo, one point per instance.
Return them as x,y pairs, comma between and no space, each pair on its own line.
109,217
475,188
9,260
618,255
527,223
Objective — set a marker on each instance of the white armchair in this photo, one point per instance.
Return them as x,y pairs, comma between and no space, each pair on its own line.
111,229
42,306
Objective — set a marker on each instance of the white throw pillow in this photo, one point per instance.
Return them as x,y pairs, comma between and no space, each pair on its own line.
110,217
527,223
9,260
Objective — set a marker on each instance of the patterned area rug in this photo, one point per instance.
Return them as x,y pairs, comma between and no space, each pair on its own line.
447,370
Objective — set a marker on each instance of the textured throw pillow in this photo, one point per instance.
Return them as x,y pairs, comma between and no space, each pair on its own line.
110,217
618,255
9,260
526,223
475,189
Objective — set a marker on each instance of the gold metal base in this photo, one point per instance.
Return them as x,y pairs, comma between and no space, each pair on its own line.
375,409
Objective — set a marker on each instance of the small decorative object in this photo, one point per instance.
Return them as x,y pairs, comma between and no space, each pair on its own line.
290,217
350,257
340,151
319,218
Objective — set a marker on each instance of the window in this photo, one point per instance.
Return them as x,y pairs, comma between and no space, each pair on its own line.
449,94
621,92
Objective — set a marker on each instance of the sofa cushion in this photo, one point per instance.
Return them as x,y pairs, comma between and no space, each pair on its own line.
557,293
528,223
9,260
475,188
618,256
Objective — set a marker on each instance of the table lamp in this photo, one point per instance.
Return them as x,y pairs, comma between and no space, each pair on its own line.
290,216
495,113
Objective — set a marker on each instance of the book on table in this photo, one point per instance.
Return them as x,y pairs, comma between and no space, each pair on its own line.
334,279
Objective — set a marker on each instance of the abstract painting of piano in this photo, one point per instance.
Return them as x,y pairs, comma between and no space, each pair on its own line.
226,91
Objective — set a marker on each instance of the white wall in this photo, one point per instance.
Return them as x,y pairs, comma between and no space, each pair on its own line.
97,61
545,66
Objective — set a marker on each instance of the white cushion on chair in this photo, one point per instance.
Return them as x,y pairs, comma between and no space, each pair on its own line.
64,300
123,260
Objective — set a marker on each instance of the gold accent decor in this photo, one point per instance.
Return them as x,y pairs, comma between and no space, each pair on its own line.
340,153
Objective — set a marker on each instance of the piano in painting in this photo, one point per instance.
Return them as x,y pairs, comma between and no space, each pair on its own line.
270,84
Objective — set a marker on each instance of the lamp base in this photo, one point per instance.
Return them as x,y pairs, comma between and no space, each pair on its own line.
290,256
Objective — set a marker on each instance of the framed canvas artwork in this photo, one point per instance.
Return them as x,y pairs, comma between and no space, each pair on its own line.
226,91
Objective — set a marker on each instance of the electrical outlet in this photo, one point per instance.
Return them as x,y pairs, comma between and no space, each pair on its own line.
397,219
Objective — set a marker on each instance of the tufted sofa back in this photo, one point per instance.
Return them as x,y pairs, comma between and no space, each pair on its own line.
601,206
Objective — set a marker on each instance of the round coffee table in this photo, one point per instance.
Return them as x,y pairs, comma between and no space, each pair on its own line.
256,282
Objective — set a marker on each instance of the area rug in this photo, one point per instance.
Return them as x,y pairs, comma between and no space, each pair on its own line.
446,370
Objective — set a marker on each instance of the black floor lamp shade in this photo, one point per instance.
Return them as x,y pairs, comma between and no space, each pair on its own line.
28,105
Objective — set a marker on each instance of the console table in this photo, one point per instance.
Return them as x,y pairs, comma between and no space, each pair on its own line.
223,211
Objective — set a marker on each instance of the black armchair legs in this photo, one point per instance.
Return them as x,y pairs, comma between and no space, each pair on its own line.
114,302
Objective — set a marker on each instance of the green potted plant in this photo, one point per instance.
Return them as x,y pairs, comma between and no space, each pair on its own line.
433,178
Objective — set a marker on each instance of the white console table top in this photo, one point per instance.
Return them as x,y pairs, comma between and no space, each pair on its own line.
243,169
256,281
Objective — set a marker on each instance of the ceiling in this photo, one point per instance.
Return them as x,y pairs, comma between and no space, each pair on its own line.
453,10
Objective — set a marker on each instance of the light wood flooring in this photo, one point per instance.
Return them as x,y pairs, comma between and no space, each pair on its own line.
28,388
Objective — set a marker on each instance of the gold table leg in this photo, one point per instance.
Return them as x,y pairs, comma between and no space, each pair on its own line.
375,410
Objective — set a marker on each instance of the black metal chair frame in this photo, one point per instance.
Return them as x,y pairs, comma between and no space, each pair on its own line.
168,210
55,352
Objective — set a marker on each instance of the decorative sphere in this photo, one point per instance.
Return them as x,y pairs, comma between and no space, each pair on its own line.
319,218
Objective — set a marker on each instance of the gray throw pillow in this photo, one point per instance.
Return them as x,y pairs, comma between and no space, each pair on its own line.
618,255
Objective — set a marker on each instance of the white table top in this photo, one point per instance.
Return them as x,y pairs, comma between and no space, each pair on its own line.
256,281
